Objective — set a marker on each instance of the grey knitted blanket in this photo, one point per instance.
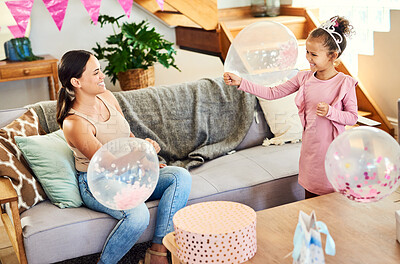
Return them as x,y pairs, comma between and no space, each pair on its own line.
193,122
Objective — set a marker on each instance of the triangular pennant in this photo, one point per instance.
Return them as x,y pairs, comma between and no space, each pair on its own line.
127,6
93,8
57,9
21,11
16,31
161,4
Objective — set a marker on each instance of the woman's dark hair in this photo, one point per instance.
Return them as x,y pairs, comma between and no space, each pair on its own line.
72,65
343,28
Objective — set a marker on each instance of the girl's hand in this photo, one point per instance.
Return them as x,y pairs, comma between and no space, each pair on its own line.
155,144
232,79
322,109
162,165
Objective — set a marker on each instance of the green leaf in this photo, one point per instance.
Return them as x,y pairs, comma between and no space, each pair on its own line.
136,45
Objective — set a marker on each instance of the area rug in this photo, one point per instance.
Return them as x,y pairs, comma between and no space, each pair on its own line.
136,253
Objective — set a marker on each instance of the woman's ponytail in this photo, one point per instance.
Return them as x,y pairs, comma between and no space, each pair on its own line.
64,104
72,65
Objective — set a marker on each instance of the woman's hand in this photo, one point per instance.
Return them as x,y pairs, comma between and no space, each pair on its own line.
232,79
155,144
322,109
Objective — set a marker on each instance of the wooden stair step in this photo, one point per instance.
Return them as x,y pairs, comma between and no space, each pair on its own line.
301,42
294,23
364,113
195,13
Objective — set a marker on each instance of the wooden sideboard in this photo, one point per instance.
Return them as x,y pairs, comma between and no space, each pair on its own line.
22,70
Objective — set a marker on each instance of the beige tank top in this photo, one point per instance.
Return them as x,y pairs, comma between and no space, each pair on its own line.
115,127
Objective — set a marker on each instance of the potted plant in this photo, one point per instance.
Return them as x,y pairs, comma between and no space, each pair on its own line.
132,52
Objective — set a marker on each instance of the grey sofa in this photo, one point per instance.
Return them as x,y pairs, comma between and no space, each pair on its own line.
260,177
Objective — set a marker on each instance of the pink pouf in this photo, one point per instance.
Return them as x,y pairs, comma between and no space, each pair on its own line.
215,232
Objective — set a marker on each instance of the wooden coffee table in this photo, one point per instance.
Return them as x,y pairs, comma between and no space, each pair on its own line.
363,233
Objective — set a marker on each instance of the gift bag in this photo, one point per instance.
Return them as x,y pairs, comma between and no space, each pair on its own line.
307,240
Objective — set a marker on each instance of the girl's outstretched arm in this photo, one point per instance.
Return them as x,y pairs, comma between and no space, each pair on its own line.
270,93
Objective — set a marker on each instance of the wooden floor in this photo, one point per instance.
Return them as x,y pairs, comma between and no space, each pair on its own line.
7,255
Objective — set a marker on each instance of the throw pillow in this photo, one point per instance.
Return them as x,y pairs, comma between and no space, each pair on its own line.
52,161
283,120
13,164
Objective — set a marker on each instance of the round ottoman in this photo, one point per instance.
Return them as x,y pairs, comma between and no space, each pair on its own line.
215,232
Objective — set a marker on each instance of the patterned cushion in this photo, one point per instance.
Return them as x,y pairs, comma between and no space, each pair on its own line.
13,164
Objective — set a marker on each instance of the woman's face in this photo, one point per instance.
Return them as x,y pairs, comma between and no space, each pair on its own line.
92,79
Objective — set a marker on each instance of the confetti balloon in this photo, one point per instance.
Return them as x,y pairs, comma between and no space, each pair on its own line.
363,164
123,173
264,52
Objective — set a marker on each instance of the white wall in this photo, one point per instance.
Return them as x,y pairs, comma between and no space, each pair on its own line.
379,73
78,33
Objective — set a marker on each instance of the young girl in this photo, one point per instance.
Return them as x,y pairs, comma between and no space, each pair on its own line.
326,100
90,116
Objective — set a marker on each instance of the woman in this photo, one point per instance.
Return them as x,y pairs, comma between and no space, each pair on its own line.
90,116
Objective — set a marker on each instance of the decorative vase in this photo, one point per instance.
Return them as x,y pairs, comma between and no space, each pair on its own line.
273,8
136,78
19,49
258,8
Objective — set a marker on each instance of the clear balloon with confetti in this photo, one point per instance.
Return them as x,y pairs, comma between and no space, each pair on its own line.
264,52
363,164
123,173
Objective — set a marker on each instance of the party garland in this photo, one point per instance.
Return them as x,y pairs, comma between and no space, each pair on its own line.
21,11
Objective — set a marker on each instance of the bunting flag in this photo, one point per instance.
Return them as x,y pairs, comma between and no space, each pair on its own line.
57,9
127,6
21,11
161,4
93,8
16,31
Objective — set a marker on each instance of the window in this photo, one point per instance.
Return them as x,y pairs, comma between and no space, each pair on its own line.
366,16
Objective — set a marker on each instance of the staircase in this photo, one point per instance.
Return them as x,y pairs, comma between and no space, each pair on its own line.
201,27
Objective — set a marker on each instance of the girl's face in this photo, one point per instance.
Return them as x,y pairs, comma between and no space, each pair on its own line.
318,56
92,79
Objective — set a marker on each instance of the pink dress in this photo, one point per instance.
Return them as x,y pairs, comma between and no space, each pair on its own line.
339,92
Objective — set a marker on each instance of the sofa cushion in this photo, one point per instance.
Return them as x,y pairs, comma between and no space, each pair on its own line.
244,168
71,232
52,161
13,164
283,119
258,131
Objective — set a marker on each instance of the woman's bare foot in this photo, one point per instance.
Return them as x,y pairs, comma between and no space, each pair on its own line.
158,259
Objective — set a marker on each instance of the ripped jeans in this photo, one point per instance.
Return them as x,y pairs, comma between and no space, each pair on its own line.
173,188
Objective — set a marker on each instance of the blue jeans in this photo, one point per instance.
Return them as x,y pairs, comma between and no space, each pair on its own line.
173,188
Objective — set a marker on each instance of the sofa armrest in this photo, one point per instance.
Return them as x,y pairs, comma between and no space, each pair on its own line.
13,228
